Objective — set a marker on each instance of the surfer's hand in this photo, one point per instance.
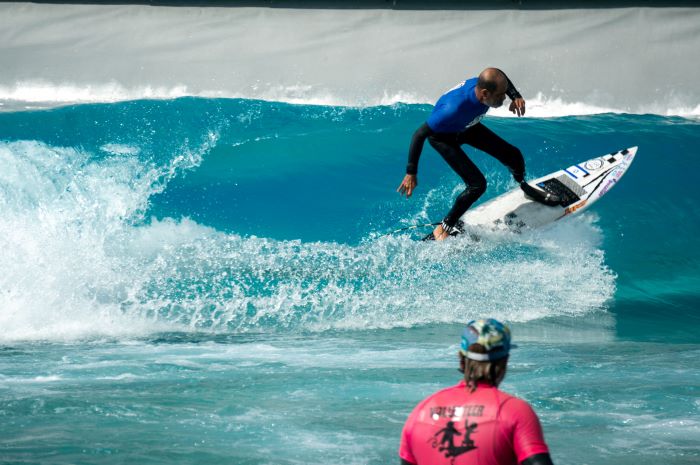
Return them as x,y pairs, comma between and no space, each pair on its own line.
410,181
517,106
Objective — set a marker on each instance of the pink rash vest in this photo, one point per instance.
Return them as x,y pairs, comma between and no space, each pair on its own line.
457,427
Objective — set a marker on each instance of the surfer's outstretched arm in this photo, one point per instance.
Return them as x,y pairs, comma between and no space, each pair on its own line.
511,91
410,181
517,104
416,148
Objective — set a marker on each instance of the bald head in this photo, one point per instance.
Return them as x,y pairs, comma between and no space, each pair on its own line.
491,87
493,80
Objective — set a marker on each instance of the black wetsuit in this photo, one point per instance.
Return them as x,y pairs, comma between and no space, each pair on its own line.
455,121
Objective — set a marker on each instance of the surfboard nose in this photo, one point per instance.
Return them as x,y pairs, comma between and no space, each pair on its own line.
629,153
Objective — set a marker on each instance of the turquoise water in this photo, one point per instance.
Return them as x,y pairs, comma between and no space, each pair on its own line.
207,281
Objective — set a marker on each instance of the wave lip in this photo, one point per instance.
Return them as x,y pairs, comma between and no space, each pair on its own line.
42,94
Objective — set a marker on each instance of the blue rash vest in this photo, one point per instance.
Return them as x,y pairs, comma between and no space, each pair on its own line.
457,109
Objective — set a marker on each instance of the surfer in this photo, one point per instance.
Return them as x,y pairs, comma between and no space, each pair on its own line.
497,428
456,120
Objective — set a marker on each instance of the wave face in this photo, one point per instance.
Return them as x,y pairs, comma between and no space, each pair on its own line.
235,216
215,272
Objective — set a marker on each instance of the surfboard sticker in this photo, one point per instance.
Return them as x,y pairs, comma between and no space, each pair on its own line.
580,186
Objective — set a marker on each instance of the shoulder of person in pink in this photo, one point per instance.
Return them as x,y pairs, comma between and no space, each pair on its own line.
456,426
474,422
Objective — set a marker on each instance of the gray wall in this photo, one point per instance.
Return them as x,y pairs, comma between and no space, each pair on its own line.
635,59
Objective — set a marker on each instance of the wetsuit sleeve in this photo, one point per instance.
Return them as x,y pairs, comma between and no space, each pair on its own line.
528,439
512,92
416,148
537,459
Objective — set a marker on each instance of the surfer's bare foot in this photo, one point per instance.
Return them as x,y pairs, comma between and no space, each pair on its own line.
440,234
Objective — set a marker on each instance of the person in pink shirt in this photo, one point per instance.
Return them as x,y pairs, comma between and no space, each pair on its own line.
475,423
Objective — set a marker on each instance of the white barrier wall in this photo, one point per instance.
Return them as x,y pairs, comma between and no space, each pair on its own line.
627,59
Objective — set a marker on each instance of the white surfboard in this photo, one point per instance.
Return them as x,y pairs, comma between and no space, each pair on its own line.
579,186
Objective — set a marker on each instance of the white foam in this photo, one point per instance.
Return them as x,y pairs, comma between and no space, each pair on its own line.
45,94
120,149
542,106
257,283
31,380
49,93
64,215
47,379
81,261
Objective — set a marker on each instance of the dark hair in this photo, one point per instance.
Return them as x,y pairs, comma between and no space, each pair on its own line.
491,372
489,79
490,84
